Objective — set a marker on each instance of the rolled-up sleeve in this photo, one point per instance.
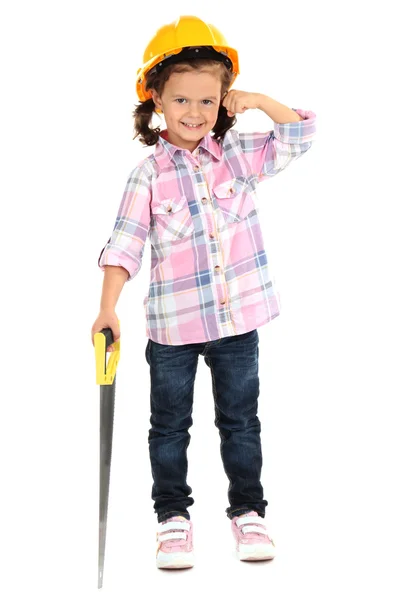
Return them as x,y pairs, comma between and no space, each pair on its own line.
126,245
270,153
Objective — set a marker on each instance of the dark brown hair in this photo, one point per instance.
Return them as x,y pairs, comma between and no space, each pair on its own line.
144,111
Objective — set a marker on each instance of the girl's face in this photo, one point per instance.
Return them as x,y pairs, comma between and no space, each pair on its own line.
191,98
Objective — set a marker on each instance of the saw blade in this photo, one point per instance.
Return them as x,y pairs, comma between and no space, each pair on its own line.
107,403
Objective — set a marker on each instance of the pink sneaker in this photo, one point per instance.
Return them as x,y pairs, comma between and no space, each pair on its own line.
174,544
252,539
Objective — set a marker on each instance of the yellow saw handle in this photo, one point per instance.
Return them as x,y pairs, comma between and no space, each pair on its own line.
105,371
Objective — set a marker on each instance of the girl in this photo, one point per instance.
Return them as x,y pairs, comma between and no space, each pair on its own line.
210,287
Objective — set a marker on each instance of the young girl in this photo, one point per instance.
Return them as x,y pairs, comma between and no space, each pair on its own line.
210,287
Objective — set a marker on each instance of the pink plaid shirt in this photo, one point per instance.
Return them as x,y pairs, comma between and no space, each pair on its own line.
209,270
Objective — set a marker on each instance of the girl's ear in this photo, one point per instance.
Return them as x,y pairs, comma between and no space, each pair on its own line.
156,100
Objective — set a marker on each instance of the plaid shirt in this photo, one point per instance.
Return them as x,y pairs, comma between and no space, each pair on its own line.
209,269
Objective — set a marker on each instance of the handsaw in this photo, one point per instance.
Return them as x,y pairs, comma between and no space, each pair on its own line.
106,378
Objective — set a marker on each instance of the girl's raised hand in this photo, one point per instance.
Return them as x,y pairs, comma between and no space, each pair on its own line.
236,101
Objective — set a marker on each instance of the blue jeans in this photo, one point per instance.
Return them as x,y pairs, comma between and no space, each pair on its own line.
233,362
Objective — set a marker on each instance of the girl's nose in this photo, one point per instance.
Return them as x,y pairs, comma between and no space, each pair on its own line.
194,109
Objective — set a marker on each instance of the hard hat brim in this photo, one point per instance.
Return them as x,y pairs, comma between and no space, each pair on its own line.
229,57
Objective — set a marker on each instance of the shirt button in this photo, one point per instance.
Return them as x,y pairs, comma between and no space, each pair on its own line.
196,168
212,235
204,200
217,268
223,301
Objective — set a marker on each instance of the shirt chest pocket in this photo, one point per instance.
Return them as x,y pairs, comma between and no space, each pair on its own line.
234,199
172,219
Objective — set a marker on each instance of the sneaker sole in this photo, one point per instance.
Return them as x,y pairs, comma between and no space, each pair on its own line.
175,560
255,552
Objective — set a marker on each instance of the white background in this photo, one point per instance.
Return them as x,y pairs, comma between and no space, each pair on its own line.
329,365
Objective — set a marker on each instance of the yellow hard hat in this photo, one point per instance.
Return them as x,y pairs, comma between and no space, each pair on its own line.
189,37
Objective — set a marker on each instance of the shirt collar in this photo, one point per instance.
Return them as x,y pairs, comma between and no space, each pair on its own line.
164,151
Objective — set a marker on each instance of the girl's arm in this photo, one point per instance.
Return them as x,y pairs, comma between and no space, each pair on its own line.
126,244
113,282
269,153
278,112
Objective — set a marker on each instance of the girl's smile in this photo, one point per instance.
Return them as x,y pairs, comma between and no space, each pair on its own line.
192,126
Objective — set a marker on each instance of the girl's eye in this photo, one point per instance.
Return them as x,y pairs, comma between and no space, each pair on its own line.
182,100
